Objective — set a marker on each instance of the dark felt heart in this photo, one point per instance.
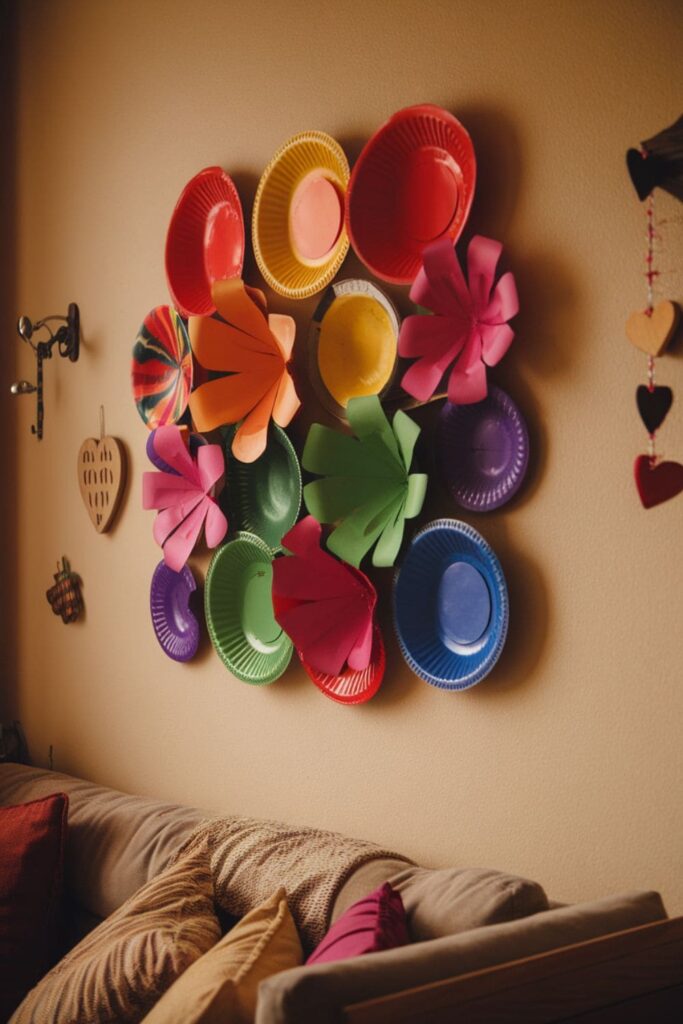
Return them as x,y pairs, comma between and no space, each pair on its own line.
645,171
657,483
653,405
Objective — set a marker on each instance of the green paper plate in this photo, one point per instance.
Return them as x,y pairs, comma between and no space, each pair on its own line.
239,611
263,497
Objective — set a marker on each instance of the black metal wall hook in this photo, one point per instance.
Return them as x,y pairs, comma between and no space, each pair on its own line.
67,339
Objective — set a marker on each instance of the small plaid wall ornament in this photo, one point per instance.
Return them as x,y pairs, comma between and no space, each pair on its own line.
65,595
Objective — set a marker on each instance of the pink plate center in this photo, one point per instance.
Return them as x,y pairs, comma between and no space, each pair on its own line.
222,243
315,217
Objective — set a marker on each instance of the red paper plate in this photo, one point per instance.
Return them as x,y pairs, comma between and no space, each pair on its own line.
412,184
205,241
353,687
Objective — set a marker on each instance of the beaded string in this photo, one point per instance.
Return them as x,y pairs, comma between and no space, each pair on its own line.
650,274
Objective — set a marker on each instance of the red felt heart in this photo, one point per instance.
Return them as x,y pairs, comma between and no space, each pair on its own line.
657,483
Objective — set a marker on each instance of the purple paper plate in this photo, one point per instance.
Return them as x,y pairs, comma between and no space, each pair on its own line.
176,628
483,451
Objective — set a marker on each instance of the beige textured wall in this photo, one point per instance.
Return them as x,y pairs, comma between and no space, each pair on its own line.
567,763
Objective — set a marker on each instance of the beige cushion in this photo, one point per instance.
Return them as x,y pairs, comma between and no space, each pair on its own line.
221,987
115,843
318,992
439,903
364,880
120,969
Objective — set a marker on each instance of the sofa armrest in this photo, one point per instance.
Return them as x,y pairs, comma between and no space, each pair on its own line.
632,975
320,992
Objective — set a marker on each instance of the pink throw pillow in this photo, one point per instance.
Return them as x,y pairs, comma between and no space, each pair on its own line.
376,922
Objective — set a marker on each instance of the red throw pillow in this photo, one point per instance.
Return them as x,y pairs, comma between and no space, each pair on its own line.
31,857
376,922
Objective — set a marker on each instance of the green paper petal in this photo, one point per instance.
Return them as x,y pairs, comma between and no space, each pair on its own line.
331,453
356,535
366,417
407,432
389,544
336,497
415,496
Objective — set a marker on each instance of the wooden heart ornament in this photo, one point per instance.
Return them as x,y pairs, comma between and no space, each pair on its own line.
657,483
653,333
101,478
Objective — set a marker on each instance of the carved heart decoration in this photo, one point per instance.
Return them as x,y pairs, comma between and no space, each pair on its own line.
653,333
653,405
101,478
657,483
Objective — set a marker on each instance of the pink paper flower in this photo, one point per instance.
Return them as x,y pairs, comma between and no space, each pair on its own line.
325,606
184,500
469,328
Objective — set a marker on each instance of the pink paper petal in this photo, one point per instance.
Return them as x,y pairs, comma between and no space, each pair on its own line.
467,387
360,655
216,525
504,302
210,465
179,545
160,490
169,446
496,340
171,518
303,537
482,258
440,285
325,632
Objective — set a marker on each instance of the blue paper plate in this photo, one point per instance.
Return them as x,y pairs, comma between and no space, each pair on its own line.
450,605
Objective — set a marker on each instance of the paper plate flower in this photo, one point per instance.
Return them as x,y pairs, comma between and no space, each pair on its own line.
184,497
366,485
325,606
252,350
469,328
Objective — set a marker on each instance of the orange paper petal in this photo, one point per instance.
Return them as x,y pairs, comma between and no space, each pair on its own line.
251,436
235,306
284,330
218,346
228,399
286,401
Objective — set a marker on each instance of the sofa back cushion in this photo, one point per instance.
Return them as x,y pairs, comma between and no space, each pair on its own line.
319,992
222,986
453,900
122,968
116,842
32,838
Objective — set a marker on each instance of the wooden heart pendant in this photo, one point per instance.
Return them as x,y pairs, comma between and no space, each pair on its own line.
653,333
101,478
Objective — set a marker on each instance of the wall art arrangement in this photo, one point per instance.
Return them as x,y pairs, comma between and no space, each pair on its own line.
657,164
213,382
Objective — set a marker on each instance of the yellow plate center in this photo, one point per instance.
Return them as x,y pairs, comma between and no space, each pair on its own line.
356,347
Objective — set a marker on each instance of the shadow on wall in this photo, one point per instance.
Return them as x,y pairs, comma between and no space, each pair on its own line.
8,317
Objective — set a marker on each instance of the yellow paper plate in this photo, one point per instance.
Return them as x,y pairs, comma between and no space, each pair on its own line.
298,229
352,344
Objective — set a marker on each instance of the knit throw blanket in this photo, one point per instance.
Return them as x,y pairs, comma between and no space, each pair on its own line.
251,858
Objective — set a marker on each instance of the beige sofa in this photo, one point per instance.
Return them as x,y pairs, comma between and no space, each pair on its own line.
473,931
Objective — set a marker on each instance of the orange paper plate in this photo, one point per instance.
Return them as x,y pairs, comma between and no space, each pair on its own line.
298,229
353,687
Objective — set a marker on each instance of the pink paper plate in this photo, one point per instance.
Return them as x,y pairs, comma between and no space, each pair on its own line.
205,241
352,687
412,184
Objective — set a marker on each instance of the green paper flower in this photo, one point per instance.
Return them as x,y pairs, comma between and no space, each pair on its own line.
366,487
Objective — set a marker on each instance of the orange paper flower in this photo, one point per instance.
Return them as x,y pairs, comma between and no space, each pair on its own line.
253,350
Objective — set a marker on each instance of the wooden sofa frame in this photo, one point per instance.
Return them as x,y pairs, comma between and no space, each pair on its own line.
623,978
